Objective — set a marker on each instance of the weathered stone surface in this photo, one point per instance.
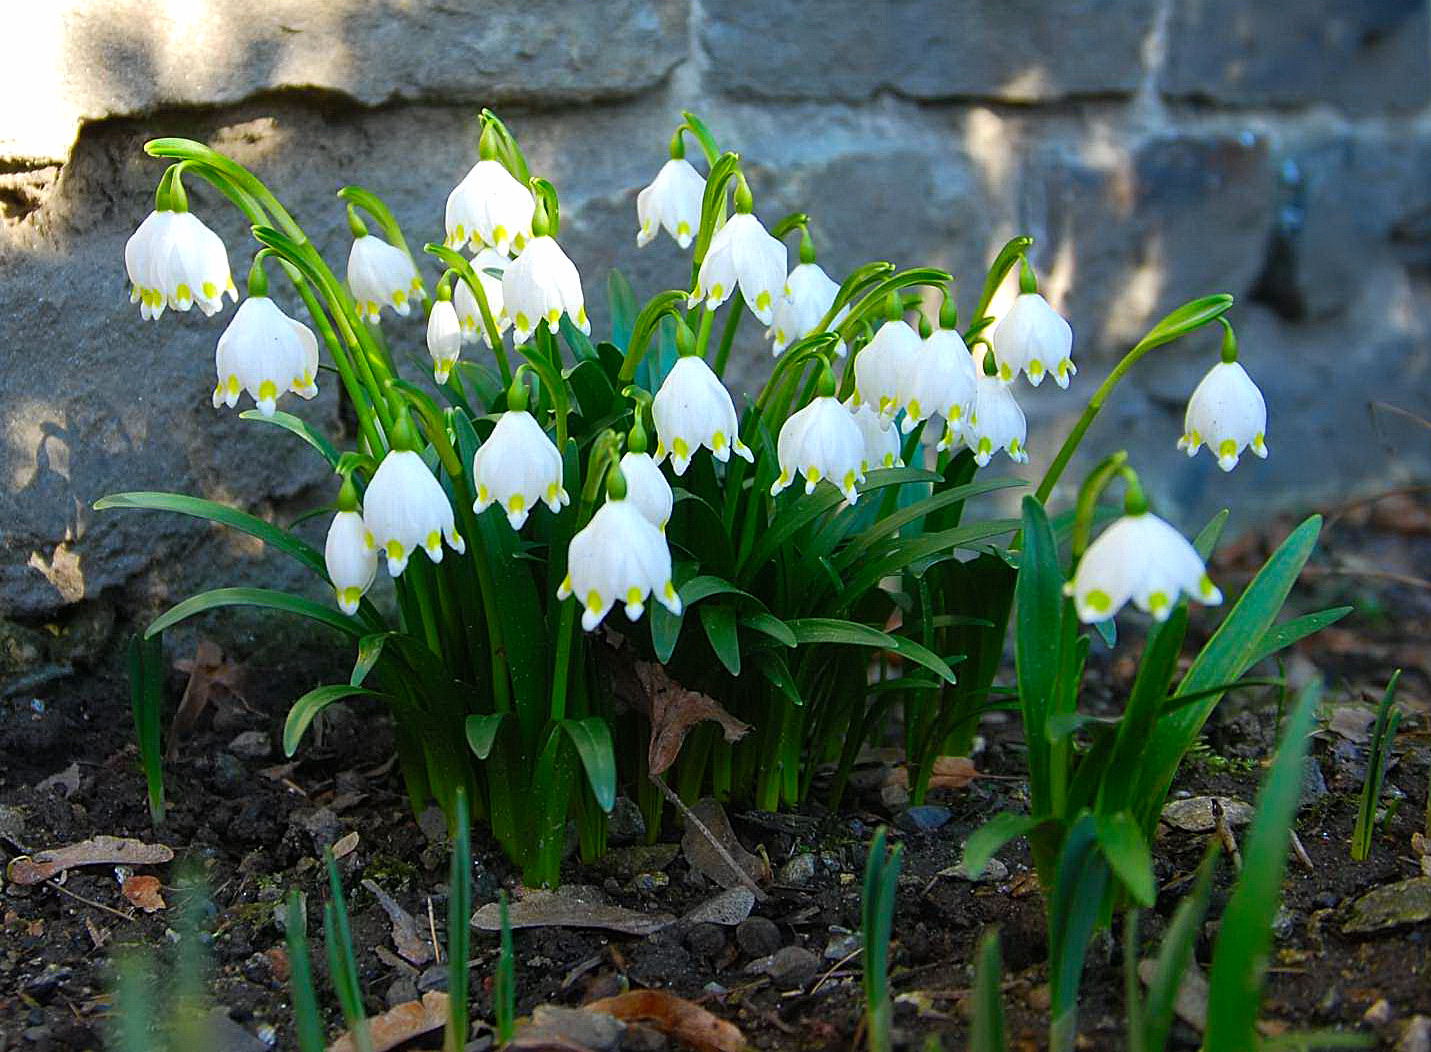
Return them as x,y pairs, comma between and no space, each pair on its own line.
85,60
1364,55
1020,50
1390,906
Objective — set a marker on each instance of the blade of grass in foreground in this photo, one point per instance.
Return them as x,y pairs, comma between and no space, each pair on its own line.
342,965
1388,717
459,913
1239,961
300,975
987,1034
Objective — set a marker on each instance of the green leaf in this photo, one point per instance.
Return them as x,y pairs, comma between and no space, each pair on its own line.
303,711
1387,719
985,842
592,738
718,620
1279,637
1228,654
918,512
459,924
299,427
1176,953
1190,316
987,1028
370,649
264,597
906,553
222,514
665,631
621,304
1039,597
578,341
770,625
833,630
1128,855
146,698
592,387
1209,535
1079,886
306,1020
481,731
1239,961
773,667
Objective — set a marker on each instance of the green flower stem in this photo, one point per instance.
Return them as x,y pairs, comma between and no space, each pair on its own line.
434,427
644,327
496,633
1093,486
858,279
1187,318
204,156
725,168
703,136
817,346
727,335
376,207
1005,261
540,361
703,330
464,270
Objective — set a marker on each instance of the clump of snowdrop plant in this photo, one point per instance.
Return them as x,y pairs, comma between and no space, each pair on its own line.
763,536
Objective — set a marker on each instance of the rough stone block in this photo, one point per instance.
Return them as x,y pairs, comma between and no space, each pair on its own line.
1017,50
1361,55
85,60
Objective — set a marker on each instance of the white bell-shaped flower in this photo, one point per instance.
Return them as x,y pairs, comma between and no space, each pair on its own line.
672,202
808,295
883,367
468,312
618,557
381,275
490,208
405,508
996,422
444,339
693,409
881,438
1140,557
540,285
942,380
647,488
174,260
821,441
351,562
1227,412
266,353
517,466
742,253
1035,339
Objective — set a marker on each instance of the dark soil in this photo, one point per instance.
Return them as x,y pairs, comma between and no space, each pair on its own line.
255,826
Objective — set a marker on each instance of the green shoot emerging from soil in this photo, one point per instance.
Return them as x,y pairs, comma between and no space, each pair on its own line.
1388,718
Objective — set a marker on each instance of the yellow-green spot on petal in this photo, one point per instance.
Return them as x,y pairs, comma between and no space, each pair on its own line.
1005,373
762,301
633,596
593,601
399,297
1014,446
210,290
553,492
680,448
669,590
564,590
369,542
267,390
1259,442
718,441
394,550
522,321
434,541
849,480
717,291
986,447
499,233
954,413
1098,601
1227,448
812,474
1158,602
516,502
554,315
581,315
784,477
1035,367
1205,586
483,493
913,409
683,228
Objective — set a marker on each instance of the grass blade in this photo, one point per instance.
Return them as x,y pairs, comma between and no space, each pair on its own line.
459,913
264,597
1388,718
1039,596
504,983
301,428
987,1030
300,975
342,964
1078,890
1239,961
146,700
1179,942
881,883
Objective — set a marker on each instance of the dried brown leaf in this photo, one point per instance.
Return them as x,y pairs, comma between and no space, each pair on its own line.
685,1022
703,856
406,937
674,711
346,845
66,781
99,850
400,1024
948,772
546,909
208,669
144,891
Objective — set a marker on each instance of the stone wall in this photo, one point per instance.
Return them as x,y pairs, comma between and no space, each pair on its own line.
1157,150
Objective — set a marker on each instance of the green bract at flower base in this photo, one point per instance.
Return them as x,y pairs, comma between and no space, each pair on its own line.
497,693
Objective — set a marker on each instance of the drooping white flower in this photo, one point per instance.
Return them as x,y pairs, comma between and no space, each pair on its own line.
619,556
883,367
517,466
174,260
1227,412
381,275
468,311
351,562
672,202
647,488
742,253
881,439
266,353
540,285
942,380
444,339
1142,558
490,208
1034,338
808,295
405,508
821,441
693,409
996,422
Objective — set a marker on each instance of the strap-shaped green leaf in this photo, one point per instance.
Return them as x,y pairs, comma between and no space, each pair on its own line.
987,1026
264,597
770,625
1039,592
718,621
370,649
984,842
183,504
834,630
481,731
306,708
1280,637
300,427
592,738
905,554
918,512
1127,853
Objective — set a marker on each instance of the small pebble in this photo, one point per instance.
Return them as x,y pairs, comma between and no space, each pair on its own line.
1415,1035
400,991
925,818
799,871
792,966
758,936
706,940
1379,1014
625,824
841,946
650,882
252,745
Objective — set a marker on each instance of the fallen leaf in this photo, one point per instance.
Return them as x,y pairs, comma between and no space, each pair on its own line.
100,850
1352,722
409,942
400,1024
553,1028
143,891
66,781
703,856
207,670
948,772
549,909
680,1019
674,711
346,845
730,907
